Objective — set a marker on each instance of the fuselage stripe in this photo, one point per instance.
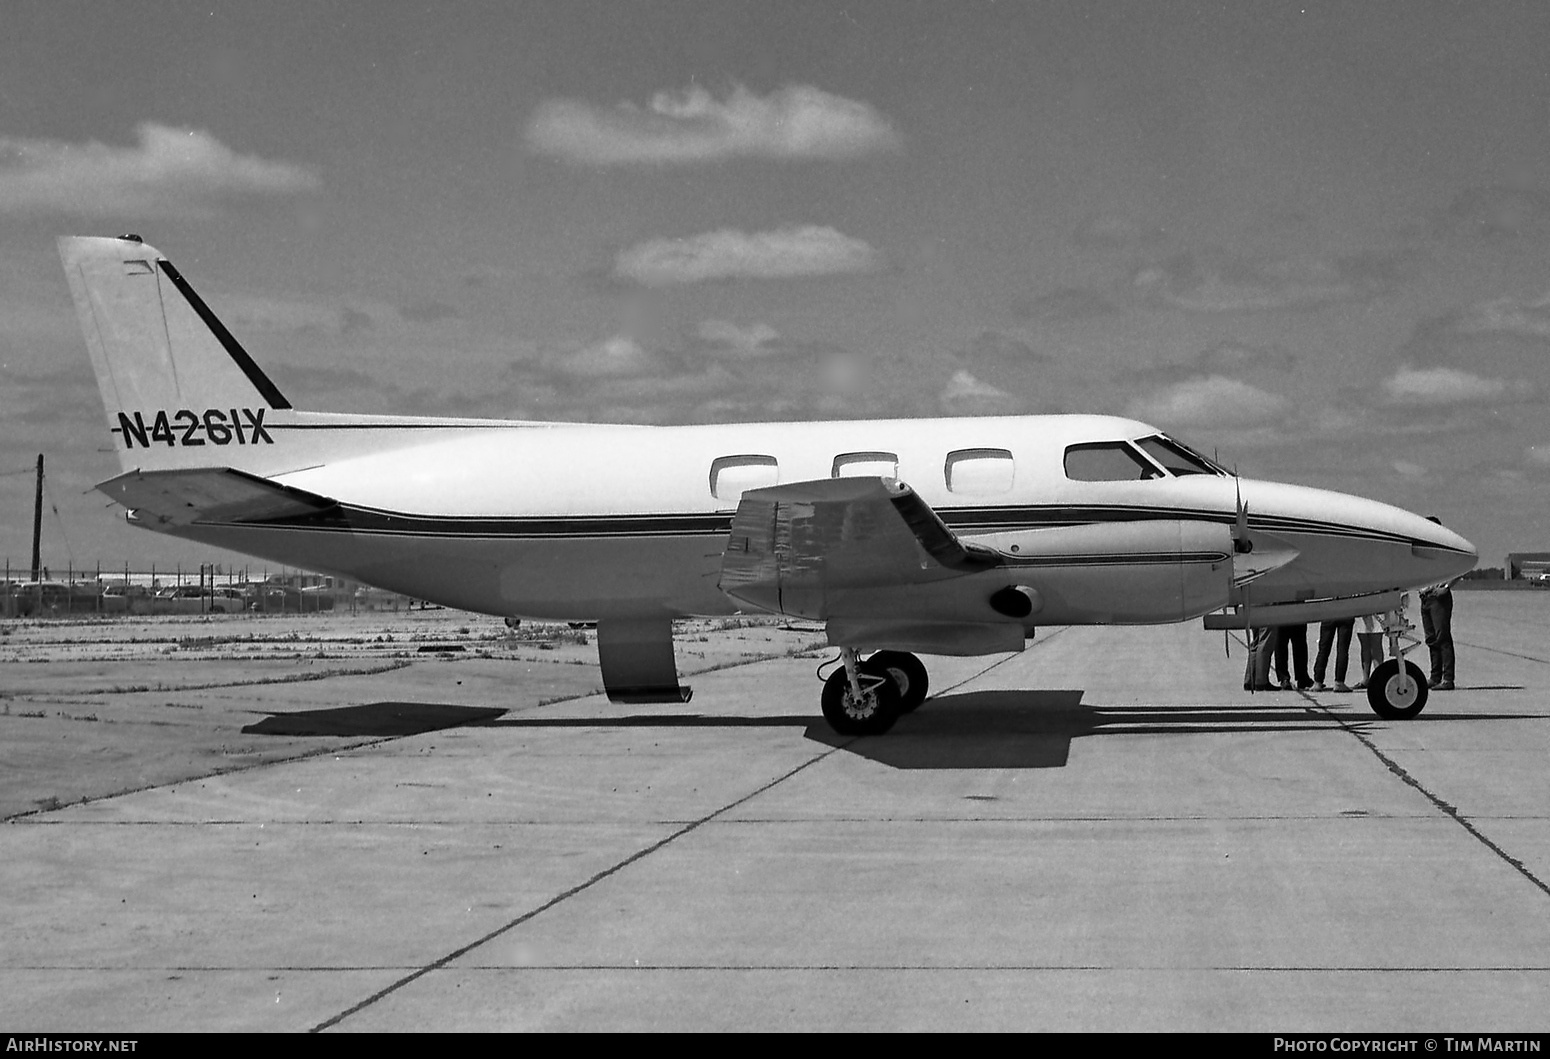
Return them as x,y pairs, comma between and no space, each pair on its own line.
963,521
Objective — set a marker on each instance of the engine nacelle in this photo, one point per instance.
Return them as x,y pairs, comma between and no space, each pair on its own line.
1142,572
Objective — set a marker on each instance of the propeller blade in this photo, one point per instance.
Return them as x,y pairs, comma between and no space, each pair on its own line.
1241,541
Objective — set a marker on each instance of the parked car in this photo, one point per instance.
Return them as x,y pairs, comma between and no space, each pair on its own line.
286,599
191,599
125,599
233,600
42,597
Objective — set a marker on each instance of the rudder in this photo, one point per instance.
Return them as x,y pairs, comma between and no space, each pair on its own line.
178,389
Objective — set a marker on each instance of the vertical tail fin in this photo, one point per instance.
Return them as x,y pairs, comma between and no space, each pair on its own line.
179,390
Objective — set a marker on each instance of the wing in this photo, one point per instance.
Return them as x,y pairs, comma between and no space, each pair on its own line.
792,546
215,494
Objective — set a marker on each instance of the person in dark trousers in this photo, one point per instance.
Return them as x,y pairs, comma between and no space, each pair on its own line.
1336,634
1437,624
1296,637
1256,672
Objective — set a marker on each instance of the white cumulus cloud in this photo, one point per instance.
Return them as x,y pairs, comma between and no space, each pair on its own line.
726,254
1438,387
1212,401
170,170
966,395
798,121
1214,282
1513,316
725,336
617,357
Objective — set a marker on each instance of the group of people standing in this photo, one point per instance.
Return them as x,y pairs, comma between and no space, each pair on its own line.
1271,645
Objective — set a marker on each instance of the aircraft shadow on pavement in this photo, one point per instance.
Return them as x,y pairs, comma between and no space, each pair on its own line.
374,719
984,729
1034,729
414,718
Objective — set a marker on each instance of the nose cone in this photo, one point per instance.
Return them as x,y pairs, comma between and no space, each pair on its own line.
1442,546
1349,545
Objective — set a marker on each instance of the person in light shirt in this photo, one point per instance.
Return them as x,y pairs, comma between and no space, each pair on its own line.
1370,636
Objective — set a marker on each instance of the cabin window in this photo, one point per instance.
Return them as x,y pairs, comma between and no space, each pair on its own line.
731,475
1110,461
866,465
979,471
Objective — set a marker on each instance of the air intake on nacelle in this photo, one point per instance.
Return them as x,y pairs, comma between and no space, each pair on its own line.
1017,601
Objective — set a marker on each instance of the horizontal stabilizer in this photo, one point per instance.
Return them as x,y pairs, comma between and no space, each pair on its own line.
791,545
209,494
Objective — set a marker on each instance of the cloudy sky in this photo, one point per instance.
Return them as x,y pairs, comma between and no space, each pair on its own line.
1313,237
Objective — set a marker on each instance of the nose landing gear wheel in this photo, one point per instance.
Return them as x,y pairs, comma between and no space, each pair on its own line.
907,671
873,713
1392,698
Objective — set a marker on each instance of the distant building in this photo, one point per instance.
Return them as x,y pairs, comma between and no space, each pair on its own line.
1528,566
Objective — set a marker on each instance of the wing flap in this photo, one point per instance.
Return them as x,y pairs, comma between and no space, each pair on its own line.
210,494
792,545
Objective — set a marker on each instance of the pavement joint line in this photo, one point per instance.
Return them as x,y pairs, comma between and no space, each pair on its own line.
1316,707
794,820
756,967
998,662
366,742
976,967
1449,810
22,817
291,678
780,821
1327,818
606,873
1499,651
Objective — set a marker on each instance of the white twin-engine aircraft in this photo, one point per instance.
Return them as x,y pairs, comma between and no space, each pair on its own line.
1007,523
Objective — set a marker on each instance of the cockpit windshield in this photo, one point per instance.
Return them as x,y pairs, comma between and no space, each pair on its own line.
1179,459
1107,461
1123,461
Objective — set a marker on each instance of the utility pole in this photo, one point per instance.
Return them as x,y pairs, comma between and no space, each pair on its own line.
37,526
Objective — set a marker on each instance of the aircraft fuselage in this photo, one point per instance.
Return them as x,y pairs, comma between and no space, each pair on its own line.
588,522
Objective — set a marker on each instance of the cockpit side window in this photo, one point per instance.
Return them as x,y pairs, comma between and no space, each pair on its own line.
1177,458
1107,461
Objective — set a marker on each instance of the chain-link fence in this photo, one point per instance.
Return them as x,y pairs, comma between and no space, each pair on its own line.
113,590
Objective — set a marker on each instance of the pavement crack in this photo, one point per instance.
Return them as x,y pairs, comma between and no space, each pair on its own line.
1447,809
1499,651
606,873
996,664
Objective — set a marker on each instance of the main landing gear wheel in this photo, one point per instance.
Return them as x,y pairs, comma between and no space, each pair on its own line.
907,671
873,713
1392,698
